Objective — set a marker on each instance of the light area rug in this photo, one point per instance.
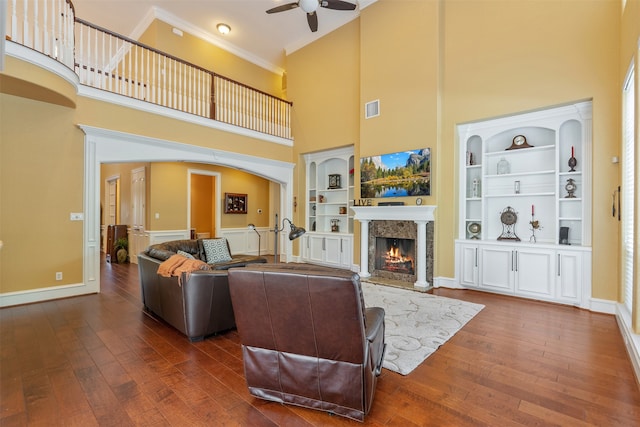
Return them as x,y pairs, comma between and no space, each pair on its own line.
416,323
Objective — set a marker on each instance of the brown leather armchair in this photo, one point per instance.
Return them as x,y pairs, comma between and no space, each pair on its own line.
307,338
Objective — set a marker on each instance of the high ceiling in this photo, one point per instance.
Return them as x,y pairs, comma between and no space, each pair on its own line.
259,37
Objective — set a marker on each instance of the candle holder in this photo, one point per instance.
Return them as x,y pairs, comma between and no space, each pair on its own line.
535,225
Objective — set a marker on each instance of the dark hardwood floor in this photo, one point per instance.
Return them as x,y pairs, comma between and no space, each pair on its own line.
98,360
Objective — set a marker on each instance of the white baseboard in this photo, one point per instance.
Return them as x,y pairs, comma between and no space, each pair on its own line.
631,340
446,282
602,306
9,299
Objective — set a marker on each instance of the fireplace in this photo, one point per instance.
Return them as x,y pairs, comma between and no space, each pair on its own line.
395,255
412,228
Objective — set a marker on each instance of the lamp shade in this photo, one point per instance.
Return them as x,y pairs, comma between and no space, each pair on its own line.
296,232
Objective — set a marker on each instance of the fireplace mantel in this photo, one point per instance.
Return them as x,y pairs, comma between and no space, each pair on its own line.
418,214
398,213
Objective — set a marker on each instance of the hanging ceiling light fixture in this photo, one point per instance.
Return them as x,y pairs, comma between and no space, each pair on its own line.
224,29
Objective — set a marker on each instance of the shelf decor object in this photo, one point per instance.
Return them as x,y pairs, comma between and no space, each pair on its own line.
564,236
503,167
508,218
571,188
519,141
334,181
535,225
474,230
572,161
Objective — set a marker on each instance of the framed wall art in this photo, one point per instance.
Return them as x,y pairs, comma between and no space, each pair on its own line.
235,203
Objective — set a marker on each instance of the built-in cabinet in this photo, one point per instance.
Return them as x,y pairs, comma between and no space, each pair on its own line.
525,210
329,219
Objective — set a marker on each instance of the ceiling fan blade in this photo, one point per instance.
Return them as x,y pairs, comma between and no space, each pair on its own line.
337,5
312,19
283,8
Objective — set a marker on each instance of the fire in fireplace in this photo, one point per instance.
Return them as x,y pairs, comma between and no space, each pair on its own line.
395,255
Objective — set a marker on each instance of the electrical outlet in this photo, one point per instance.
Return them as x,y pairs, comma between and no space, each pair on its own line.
76,216
59,275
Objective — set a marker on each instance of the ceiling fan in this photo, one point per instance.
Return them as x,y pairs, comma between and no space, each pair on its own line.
310,7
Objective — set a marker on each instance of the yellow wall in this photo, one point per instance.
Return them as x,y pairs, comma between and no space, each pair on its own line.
41,182
168,196
434,65
198,52
527,55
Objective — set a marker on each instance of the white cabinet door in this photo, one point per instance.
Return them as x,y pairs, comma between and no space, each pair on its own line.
316,248
346,252
569,276
497,268
468,266
534,270
332,254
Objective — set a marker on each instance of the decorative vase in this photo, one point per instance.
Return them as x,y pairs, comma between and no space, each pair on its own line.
122,255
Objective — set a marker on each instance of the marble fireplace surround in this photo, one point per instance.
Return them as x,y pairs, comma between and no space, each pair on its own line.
420,215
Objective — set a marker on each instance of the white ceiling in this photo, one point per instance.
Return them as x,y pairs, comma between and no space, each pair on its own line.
259,37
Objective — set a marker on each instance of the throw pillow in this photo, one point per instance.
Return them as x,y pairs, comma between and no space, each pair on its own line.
186,254
216,250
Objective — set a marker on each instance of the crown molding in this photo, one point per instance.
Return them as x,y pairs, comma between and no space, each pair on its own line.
164,16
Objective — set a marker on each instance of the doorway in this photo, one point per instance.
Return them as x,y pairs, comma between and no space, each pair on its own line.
203,192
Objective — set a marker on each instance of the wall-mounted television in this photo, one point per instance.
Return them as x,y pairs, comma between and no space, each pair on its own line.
400,174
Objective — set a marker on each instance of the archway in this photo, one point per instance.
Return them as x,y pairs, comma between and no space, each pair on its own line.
105,146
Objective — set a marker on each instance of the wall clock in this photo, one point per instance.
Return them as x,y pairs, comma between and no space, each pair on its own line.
519,141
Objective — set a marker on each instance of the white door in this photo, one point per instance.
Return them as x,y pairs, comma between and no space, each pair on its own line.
137,240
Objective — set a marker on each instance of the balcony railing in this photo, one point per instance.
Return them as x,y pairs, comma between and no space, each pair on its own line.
111,62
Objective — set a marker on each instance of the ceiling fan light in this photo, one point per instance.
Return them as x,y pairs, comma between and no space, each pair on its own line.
308,5
223,29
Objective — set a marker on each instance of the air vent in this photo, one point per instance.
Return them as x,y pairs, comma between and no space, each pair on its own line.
372,109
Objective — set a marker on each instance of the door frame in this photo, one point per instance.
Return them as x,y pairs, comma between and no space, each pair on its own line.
216,196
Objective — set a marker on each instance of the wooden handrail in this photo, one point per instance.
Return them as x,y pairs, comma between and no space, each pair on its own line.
175,58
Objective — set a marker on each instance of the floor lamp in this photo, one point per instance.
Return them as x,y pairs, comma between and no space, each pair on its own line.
293,234
253,227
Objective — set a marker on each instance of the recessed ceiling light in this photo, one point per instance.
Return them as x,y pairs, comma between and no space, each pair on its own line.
223,28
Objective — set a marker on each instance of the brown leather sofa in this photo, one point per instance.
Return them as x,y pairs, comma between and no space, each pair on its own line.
307,338
199,304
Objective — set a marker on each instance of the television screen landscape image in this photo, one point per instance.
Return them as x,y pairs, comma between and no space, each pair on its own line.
400,174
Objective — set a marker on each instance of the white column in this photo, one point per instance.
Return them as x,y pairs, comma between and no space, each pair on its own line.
421,255
364,248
